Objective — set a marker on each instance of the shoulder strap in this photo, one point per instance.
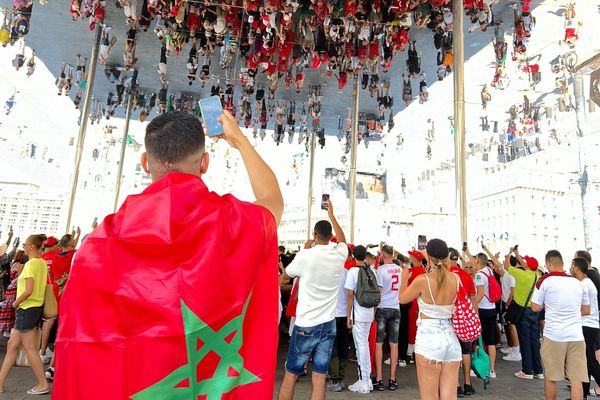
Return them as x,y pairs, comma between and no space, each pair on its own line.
531,291
429,287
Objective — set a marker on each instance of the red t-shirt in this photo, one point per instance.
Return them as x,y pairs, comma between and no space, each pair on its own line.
465,280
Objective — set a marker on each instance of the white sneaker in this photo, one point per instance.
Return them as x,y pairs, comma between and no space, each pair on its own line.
540,376
402,363
473,374
370,384
514,356
493,374
387,361
6,334
359,387
505,350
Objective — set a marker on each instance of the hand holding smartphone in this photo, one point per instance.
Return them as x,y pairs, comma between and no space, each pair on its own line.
422,242
324,202
211,109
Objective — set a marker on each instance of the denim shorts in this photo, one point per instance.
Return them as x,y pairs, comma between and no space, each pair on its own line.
28,318
388,320
436,341
315,342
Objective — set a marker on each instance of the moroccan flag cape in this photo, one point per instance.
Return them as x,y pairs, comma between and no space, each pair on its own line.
173,297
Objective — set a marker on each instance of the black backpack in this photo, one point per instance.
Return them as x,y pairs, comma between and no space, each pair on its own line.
367,289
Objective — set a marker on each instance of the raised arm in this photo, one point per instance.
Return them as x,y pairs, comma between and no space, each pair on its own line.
492,257
262,179
337,229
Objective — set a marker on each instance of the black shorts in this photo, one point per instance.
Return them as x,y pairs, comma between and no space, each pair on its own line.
488,326
388,321
28,319
465,348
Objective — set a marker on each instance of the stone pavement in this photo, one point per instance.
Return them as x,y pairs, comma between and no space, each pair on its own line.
505,387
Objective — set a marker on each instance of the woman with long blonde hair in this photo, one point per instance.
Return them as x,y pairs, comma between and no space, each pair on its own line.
437,349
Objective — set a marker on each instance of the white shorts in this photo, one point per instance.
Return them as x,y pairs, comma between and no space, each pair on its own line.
436,341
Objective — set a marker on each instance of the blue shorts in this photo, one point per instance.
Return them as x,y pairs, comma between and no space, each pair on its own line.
315,342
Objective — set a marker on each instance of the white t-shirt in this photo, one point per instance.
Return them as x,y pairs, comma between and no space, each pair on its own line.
481,279
319,270
562,297
592,320
359,313
342,298
389,277
508,282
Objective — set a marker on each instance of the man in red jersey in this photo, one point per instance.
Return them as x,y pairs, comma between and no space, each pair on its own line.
469,286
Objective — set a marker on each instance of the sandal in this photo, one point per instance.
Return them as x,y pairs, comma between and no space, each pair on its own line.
34,391
523,375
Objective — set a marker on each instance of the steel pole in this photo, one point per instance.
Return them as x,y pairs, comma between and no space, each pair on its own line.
459,117
123,147
310,185
353,158
579,102
83,124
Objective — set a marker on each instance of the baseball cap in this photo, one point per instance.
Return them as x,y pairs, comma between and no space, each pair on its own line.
453,254
51,241
437,248
416,255
532,263
360,252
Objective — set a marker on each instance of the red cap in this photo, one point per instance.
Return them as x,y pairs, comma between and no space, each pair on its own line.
51,241
334,239
532,263
417,255
351,246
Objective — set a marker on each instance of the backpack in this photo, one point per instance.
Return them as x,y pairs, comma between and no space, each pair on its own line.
367,289
495,291
480,364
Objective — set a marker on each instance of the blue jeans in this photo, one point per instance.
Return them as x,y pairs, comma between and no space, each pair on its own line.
529,341
316,342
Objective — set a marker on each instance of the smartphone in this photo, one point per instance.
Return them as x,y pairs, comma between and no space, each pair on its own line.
324,201
464,246
211,109
422,242
516,247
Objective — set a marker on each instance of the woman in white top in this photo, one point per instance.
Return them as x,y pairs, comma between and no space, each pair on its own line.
437,349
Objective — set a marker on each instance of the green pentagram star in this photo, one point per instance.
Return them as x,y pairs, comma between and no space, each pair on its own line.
171,388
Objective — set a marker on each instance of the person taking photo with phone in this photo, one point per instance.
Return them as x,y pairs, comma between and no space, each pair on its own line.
164,278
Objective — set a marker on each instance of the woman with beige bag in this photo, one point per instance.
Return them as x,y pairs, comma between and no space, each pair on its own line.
29,305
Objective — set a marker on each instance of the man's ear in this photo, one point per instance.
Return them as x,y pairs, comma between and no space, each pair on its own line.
144,162
204,163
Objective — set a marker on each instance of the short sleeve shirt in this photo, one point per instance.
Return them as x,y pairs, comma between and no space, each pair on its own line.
359,313
319,269
37,270
481,279
389,277
562,296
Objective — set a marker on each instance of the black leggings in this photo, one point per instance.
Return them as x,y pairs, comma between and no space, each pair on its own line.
592,343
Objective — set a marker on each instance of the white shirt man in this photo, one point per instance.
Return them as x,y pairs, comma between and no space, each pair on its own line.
360,319
563,346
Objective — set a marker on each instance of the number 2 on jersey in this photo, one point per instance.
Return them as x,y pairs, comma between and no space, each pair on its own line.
395,281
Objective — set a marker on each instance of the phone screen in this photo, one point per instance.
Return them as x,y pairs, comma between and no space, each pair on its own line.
211,110
324,200
422,242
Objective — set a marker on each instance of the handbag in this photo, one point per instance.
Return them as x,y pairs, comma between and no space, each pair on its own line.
514,313
480,364
50,303
465,320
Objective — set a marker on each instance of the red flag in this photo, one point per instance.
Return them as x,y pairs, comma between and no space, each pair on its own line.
174,297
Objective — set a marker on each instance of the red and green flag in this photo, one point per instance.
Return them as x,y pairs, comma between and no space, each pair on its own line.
173,297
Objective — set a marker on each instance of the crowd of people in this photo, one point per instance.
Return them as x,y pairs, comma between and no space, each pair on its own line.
548,313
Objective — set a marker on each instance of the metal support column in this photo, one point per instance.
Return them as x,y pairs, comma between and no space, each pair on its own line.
119,179
579,102
459,117
83,124
353,158
313,146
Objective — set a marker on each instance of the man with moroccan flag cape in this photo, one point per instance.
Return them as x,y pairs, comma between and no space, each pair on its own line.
176,295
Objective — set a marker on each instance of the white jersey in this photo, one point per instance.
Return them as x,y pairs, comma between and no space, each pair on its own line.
389,277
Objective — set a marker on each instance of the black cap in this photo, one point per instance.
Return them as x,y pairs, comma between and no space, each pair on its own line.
437,248
453,254
360,252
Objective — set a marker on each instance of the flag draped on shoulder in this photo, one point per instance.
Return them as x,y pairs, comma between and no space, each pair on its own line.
173,297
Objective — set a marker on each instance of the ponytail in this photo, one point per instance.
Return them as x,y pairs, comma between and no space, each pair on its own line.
440,267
